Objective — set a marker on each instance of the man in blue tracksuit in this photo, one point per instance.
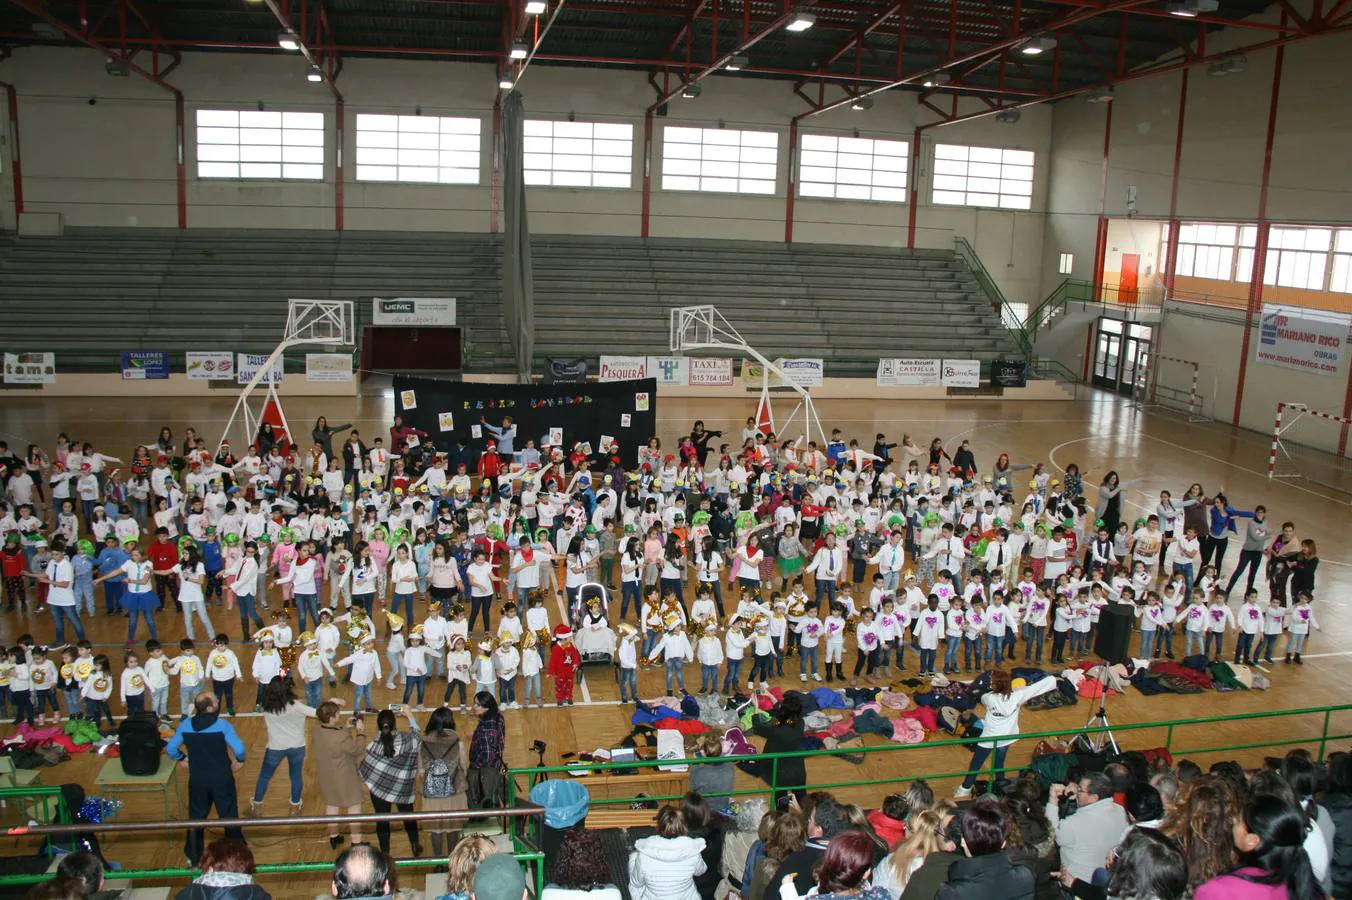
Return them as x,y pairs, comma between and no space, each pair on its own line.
209,742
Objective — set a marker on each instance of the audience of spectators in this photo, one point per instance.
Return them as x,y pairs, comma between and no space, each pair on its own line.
1128,832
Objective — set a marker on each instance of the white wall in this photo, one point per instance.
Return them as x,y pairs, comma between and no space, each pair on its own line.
112,163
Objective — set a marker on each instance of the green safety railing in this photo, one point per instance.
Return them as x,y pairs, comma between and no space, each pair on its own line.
524,850
1011,320
534,774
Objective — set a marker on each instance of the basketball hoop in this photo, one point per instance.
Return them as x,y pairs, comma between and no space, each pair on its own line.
323,322
704,328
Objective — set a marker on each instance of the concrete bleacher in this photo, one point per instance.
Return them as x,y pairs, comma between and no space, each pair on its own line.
92,293
848,305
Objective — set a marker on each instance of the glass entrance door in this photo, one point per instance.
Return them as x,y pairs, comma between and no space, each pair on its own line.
1122,356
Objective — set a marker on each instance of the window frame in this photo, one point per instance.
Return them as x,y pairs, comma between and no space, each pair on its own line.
441,134
804,162
665,161
282,127
944,156
628,172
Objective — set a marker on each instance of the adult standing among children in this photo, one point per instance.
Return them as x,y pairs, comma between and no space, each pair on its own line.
444,781
700,437
284,718
506,434
1001,729
390,770
337,751
322,434
204,745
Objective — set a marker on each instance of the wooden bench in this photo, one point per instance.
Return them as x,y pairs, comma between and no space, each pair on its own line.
620,817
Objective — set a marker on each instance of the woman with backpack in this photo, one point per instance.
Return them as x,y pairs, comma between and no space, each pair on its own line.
444,780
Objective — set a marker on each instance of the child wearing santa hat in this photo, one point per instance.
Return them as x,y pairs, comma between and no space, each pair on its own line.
564,661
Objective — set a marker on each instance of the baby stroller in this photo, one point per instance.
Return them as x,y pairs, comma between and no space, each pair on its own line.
592,634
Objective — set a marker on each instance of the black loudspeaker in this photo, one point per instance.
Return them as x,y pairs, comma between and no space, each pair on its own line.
1114,632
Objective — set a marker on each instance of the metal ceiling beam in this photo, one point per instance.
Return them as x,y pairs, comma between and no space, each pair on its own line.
741,47
36,8
876,23
1160,69
686,28
1049,27
313,56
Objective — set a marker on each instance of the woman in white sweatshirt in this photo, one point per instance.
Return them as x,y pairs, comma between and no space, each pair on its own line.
1002,704
664,866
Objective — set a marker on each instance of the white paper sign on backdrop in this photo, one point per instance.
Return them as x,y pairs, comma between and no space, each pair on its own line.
328,367
1306,340
905,372
413,311
248,365
210,365
622,368
961,373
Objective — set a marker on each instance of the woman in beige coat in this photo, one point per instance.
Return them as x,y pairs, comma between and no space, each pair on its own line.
337,750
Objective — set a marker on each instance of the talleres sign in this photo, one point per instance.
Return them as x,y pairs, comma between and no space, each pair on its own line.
423,312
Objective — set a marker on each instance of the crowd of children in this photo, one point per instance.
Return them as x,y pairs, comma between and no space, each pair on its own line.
965,569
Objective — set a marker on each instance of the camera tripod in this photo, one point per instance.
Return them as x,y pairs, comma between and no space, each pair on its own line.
1099,718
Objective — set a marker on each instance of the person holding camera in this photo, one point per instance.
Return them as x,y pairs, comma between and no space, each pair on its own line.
1088,831
390,770
336,753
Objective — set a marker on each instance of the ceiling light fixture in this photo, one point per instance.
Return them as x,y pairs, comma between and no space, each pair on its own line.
1100,95
287,40
314,74
738,62
1008,116
860,104
801,22
536,7
1231,65
116,67
506,83
519,50
691,91
1037,45
937,79
1189,9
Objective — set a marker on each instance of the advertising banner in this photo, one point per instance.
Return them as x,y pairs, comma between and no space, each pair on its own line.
248,365
30,368
961,373
908,372
622,368
210,365
669,370
1306,340
145,365
328,367
413,311
711,371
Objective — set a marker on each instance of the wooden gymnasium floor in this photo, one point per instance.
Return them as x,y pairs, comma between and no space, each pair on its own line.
1157,450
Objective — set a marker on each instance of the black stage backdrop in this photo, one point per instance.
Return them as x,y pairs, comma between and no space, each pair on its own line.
448,410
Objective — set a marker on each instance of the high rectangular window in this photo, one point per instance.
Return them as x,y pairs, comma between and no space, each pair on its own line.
418,149
983,176
719,160
246,143
1206,250
579,154
1341,278
849,168
1065,264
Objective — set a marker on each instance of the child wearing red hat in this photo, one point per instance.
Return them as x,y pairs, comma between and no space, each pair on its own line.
564,661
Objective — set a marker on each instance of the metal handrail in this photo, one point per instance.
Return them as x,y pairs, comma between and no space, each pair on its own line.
536,773
1013,324
525,852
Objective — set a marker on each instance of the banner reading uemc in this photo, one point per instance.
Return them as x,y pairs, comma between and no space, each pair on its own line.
1307,340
